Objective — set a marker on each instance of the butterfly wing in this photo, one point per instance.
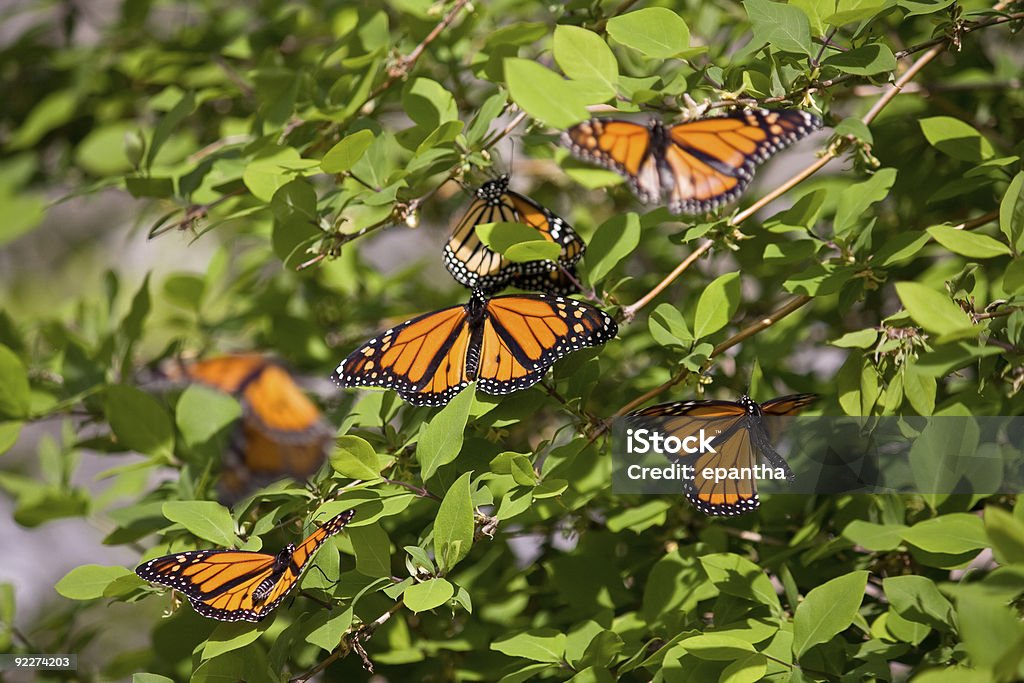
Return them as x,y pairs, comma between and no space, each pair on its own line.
788,405
727,497
524,335
218,583
236,585
712,160
273,594
622,146
475,265
423,359
727,421
227,373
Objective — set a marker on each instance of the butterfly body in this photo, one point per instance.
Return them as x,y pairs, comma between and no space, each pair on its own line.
503,343
475,265
238,585
741,436
696,165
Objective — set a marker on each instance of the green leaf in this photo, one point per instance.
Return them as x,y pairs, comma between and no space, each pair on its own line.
89,581
1011,213
738,576
530,85
229,637
950,534
934,311
1006,532
866,60
9,432
584,56
784,27
150,678
441,438
204,519
716,647
453,527
875,537
53,110
517,242
23,212
854,202
848,11
915,8
355,458
717,304
668,327
330,628
344,155
827,611
955,138
655,32
917,599
138,421
372,548
861,339
539,645
855,127
202,412
971,244
614,240
171,120
430,594
745,669
900,248
992,635
429,103
14,388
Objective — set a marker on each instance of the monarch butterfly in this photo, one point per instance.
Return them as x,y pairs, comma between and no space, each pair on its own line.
741,436
476,266
236,585
281,433
701,164
505,343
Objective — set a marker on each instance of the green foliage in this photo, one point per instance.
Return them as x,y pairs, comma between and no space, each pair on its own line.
291,164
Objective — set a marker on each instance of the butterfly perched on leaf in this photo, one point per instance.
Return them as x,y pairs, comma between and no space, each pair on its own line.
477,266
698,165
281,433
238,585
504,344
741,436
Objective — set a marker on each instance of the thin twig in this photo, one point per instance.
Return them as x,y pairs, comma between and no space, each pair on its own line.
629,312
764,323
352,643
402,67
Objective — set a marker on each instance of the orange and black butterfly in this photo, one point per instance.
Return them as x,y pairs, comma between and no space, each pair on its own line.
700,164
237,585
740,436
476,266
281,433
505,344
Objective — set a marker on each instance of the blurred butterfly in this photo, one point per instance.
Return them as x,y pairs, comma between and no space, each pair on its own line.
237,585
281,433
701,164
476,266
505,344
741,435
